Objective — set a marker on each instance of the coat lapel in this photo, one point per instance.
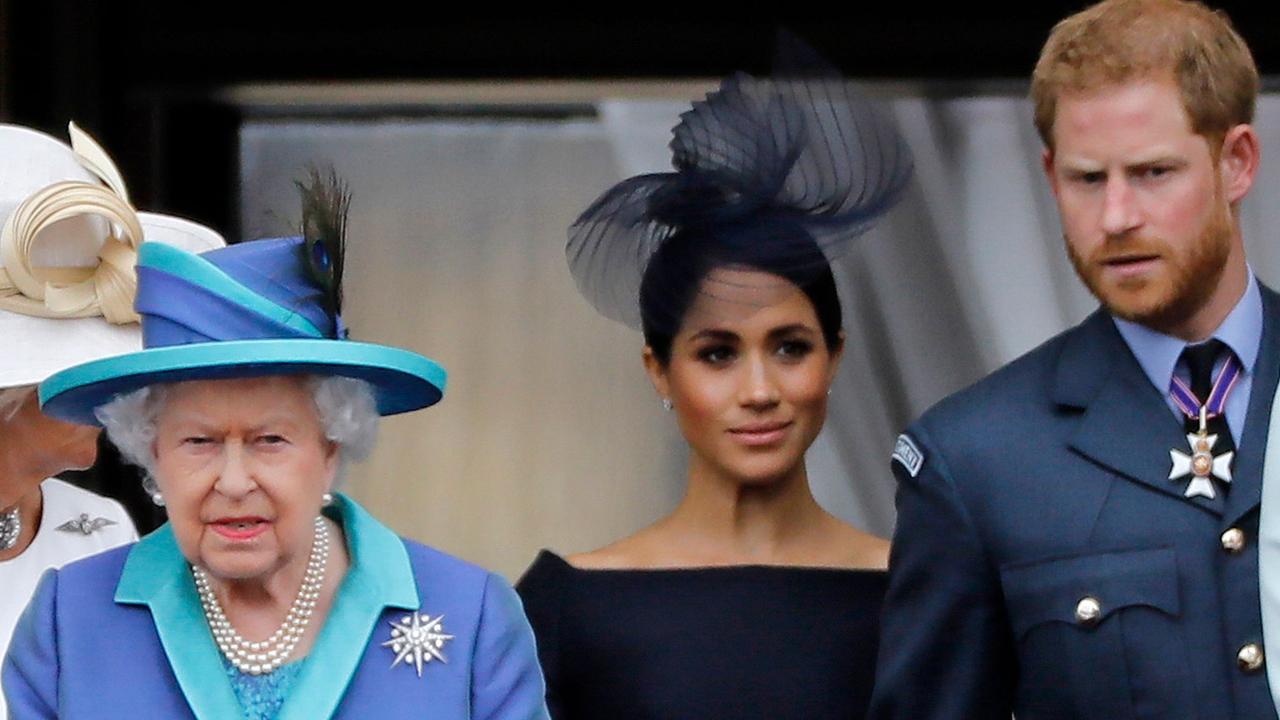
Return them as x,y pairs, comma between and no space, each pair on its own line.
1246,484
156,575
380,576
1125,424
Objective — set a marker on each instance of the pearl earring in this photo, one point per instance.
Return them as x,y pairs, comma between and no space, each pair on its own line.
666,404
327,499
157,498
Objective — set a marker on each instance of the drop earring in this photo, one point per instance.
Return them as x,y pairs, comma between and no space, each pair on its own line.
666,404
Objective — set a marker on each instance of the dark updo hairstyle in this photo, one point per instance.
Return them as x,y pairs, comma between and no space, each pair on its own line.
778,175
676,272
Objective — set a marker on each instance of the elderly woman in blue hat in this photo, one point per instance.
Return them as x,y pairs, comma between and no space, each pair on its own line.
267,594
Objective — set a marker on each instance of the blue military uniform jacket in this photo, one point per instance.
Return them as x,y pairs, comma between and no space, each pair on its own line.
1045,565
122,635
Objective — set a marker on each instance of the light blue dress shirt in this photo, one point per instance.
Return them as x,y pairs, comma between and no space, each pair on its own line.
1241,331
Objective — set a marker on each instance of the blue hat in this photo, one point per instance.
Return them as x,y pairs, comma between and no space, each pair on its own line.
246,310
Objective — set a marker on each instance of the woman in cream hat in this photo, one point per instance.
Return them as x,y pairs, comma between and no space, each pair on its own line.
67,252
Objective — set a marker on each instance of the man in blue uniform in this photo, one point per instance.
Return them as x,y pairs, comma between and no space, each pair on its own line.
1083,533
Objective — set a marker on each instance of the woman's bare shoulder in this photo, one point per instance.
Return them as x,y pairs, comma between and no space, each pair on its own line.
644,549
859,550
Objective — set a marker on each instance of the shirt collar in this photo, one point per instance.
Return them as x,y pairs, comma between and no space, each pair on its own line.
1158,353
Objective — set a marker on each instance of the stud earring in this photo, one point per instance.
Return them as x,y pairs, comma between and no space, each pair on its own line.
157,498
666,404
327,499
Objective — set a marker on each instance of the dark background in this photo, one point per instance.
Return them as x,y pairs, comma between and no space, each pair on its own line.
140,76
143,77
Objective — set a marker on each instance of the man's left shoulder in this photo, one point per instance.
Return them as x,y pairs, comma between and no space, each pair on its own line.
1003,401
1270,307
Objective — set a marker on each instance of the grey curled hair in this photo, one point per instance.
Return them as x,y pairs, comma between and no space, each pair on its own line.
347,408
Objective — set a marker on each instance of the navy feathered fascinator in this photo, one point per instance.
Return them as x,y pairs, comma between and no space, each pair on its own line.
757,164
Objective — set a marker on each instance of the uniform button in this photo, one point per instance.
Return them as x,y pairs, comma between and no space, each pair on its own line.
1088,610
1233,541
1250,658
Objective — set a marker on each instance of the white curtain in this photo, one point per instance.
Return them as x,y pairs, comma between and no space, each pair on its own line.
549,435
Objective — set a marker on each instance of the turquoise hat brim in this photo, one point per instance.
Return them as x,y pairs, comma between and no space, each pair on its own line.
402,380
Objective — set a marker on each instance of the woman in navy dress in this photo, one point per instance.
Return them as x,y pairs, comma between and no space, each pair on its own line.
748,600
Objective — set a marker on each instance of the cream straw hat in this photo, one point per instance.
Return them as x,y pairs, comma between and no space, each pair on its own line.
68,247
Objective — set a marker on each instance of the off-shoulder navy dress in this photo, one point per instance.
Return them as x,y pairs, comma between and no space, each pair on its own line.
725,643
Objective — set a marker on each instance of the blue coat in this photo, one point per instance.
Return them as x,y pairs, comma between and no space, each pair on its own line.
122,635
1045,484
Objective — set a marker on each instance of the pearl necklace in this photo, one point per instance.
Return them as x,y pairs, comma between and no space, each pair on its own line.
10,527
257,658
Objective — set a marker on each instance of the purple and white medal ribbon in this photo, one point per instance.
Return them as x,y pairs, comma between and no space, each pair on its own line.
1214,405
1201,464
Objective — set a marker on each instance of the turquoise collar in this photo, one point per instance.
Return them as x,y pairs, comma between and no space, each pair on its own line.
157,575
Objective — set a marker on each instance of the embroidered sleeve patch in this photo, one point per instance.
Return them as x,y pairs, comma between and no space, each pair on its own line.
906,452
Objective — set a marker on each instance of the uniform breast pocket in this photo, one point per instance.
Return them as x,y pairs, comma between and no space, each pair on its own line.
1098,637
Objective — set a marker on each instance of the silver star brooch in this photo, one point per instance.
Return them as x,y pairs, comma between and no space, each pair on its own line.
417,640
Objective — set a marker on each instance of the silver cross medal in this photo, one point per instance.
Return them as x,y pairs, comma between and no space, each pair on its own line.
1202,465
